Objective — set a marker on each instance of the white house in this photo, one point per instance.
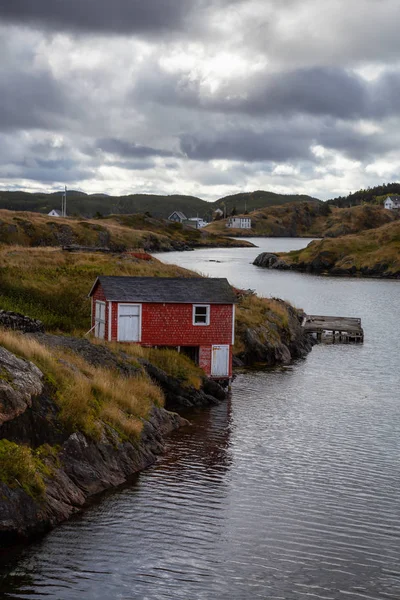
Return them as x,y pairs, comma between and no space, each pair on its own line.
54,213
392,202
239,223
196,222
177,216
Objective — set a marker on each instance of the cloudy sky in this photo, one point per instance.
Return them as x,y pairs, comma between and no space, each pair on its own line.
202,97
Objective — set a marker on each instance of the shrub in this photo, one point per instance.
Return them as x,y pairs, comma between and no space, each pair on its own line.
19,467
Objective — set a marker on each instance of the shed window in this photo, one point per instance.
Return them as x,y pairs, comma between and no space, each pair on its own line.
100,319
201,314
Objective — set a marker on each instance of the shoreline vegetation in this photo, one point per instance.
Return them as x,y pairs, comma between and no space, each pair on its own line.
79,416
308,219
372,253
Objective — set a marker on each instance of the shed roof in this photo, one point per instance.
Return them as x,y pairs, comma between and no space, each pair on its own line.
182,290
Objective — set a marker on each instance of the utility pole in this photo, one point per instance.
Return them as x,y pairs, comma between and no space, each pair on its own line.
64,203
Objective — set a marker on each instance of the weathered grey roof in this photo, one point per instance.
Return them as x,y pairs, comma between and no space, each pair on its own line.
193,290
394,197
179,214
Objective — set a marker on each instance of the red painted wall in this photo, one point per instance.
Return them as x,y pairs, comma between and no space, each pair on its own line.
172,325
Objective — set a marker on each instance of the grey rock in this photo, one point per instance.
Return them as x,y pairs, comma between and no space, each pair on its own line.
268,260
20,380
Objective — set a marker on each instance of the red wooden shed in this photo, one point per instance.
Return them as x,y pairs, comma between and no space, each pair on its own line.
195,315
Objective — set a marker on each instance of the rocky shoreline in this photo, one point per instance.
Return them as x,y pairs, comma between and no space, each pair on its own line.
81,467
324,264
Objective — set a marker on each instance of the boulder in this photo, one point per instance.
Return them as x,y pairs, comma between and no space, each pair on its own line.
20,380
19,322
268,260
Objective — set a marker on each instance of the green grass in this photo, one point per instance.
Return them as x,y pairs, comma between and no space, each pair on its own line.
21,467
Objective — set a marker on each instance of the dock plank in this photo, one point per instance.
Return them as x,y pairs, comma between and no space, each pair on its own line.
344,329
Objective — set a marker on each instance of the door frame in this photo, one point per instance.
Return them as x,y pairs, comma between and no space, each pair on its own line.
140,320
227,362
100,304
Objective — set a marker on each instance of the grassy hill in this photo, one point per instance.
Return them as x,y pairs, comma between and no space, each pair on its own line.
308,219
259,199
371,253
158,206
86,205
374,195
119,232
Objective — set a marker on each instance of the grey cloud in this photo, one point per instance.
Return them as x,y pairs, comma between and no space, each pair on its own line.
45,171
127,149
134,165
276,143
122,16
106,16
317,91
32,100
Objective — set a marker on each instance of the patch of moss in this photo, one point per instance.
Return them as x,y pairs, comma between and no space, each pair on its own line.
19,467
5,375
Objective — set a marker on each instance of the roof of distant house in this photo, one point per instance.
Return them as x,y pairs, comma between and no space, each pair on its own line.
54,210
394,197
182,290
180,214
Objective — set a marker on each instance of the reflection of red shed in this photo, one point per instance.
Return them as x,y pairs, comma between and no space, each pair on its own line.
196,315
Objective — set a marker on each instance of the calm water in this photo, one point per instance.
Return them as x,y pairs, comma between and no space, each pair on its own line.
289,490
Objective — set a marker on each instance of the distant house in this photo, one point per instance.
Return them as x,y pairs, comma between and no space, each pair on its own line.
177,216
392,203
239,223
195,315
196,222
54,213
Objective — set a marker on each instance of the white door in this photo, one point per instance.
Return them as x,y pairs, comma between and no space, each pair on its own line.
100,319
129,322
220,361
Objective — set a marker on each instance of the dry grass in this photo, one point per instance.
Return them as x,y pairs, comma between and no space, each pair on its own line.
268,316
310,219
52,285
379,246
89,396
174,363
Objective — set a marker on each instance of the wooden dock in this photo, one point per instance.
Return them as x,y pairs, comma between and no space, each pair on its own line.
334,329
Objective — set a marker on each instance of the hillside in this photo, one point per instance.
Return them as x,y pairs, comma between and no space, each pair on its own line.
374,253
308,219
86,205
250,201
119,233
158,206
374,195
